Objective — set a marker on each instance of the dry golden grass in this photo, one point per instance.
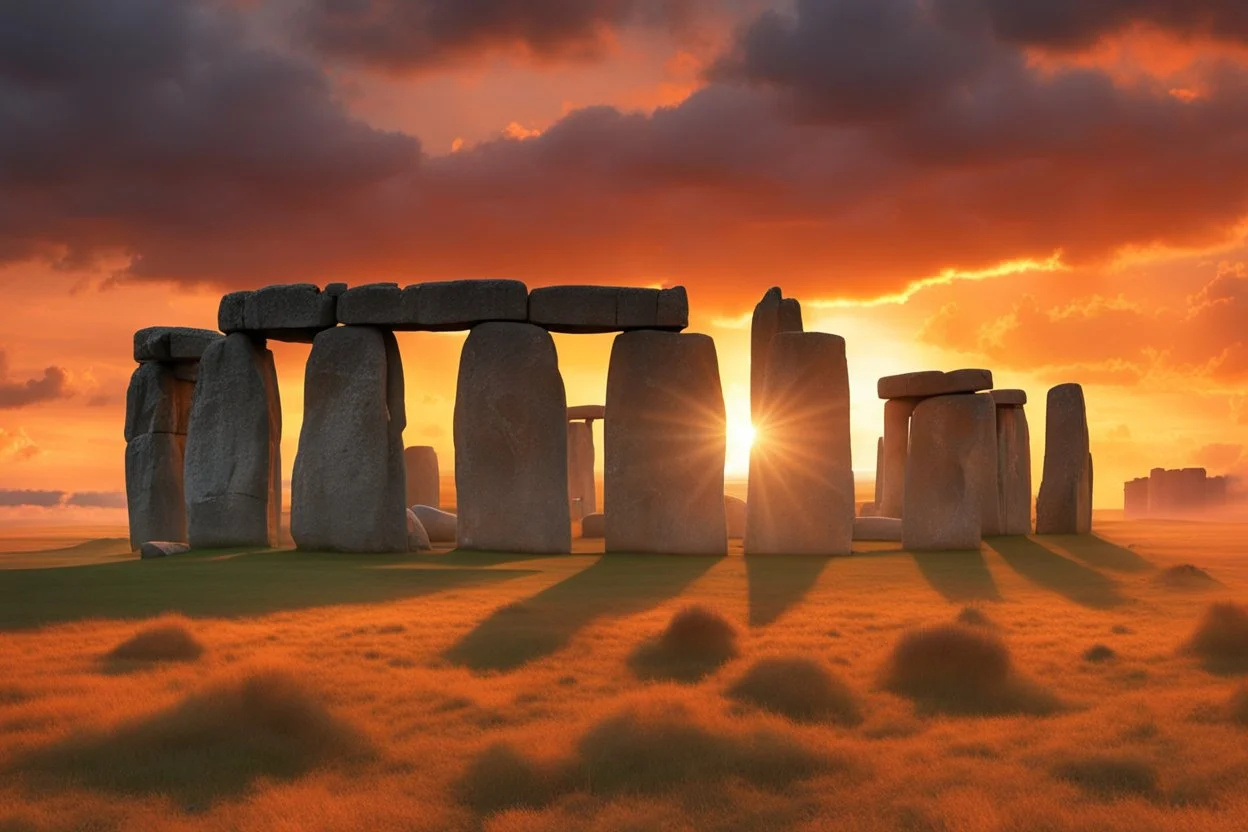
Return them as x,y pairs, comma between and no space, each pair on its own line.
499,693
801,688
168,640
696,642
1221,639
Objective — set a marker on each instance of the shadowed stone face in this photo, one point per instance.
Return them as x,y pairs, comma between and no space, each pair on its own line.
283,312
1065,502
608,308
1014,469
582,490
511,444
172,343
772,315
157,401
233,485
929,383
897,414
349,481
664,445
154,493
423,477
801,479
951,467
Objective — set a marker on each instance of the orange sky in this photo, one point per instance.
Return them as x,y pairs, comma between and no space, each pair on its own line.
1057,202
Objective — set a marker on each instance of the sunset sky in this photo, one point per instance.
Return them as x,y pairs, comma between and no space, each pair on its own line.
1055,190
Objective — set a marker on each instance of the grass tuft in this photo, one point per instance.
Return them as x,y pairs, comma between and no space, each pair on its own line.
1099,653
1221,639
975,617
1186,576
166,641
800,688
1110,775
695,643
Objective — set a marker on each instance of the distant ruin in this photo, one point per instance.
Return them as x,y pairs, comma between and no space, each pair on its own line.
1184,492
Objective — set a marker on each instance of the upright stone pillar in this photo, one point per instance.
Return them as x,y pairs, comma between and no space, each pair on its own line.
582,492
350,483
1013,462
801,490
879,473
424,483
511,443
233,471
896,448
773,314
952,443
665,446
1065,502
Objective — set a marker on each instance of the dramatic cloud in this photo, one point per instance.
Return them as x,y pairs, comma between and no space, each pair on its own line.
407,35
97,499
44,499
53,385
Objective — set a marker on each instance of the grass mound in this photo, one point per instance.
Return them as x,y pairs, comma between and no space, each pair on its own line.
1221,639
975,617
958,669
213,743
800,688
500,778
1186,576
696,642
1110,775
167,641
1099,653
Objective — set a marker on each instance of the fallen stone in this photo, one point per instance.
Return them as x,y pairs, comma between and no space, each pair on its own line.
155,499
162,549
349,480
933,383
1064,505
157,401
441,526
950,439
582,490
897,414
424,480
1003,398
664,445
172,343
735,510
587,412
869,510
233,480
608,308
1013,469
511,443
877,528
801,478
417,537
593,526
773,314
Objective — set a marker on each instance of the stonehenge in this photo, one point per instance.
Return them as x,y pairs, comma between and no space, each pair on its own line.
582,487
424,482
1064,505
1183,492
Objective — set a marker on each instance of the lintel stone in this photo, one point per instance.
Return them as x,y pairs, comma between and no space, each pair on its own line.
587,412
283,312
588,309
172,344
1009,398
929,383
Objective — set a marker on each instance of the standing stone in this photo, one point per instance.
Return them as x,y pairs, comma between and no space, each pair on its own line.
801,490
233,475
735,511
665,445
897,414
154,494
773,314
952,440
157,401
511,443
879,472
582,491
424,484
349,481
991,523
1014,469
1065,502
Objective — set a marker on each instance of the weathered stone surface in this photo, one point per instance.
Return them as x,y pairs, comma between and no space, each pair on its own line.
593,526
588,412
441,526
897,414
157,401
231,313
511,444
952,444
349,480
417,537
1013,469
801,478
154,494
172,343
289,312
1002,398
335,289
664,445
162,549
879,471
376,304
233,482
608,308
462,304
185,371
582,490
869,510
424,480
877,528
735,510
933,383
773,314
1065,502
991,524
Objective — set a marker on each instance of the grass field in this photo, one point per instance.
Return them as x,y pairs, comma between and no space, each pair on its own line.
1040,684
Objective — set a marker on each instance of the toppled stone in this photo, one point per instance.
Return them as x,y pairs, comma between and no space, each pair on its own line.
735,510
424,480
608,308
417,537
588,412
1064,505
172,343
773,314
593,526
933,383
441,526
877,528
162,549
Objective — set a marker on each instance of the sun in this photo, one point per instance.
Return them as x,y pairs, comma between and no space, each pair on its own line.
740,439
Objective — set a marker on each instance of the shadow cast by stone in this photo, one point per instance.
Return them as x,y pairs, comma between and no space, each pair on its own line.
1048,569
615,585
1099,553
959,576
778,582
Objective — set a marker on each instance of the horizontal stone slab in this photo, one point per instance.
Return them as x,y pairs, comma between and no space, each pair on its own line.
930,383
442,306
283,312
877,528
587,411
172,343
588,309
1006,398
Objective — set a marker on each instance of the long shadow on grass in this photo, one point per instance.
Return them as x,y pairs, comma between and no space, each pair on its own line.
960,576
615,585
1099,553
1060,574
222,583
777,582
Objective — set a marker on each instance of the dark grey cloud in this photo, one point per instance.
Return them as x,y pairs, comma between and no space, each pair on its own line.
21,497
97,499
1074,24
51,386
